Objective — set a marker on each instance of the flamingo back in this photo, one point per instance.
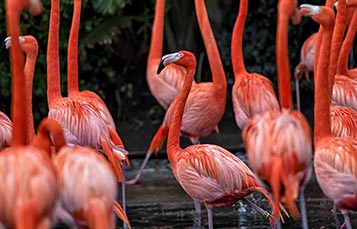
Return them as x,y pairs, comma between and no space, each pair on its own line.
212,175
343,122
307,53
344,92
252,94
27,178
5,131
84,175
335,163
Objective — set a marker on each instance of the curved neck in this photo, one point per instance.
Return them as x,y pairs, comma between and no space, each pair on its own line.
18,109
173,139
342,64
336,42
72,63
29,72
157,34
282,58
215,62
53,68
322,125
237,39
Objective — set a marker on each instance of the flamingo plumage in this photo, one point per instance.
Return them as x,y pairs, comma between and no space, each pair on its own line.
208,173
206,103
29,189
5,130
279,144
335,158
81,121
252,93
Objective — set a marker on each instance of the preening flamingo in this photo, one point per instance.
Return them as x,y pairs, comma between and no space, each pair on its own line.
207,101
279,144
79,169
29,187
335,158
252,93
81,121
208,173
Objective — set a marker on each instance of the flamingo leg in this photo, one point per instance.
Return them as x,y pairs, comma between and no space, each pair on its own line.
347,222
141,170
210,218
335,215
197,207
260,210
297,92
303,209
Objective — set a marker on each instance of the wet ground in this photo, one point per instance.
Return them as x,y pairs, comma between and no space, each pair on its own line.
159,202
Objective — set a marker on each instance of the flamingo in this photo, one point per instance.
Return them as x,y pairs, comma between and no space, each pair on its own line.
81,121
206,103
279,143
5,131
306,64
29,187
208,173
335,158
77,160
252,93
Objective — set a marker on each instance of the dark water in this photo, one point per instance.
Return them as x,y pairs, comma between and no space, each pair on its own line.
159,202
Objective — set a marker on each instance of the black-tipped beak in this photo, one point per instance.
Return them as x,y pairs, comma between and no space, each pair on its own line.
161,67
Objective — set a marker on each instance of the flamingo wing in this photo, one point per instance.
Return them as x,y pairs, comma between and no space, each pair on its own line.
344,92
343,122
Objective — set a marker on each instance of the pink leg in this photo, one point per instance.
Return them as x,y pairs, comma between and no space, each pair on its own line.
138,175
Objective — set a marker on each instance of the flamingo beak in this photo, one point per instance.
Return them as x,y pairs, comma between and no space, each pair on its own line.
169,59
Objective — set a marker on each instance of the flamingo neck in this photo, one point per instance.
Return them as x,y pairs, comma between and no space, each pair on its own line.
322,125
173,139
237,39
29,72
18,108
53,68
157,35
72,67
336,42
214,59
282,59
342,64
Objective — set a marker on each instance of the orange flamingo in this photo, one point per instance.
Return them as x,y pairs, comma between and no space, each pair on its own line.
207,101
86,159
29,188
81,121
252,93
208,173
306,65
278,144
335,158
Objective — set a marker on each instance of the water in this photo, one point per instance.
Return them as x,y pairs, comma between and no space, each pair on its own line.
159,202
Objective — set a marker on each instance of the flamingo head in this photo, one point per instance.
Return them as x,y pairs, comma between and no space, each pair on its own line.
182,58
309,10
7,41
28,44
35,7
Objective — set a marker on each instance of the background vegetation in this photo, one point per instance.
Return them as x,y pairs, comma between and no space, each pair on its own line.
114,44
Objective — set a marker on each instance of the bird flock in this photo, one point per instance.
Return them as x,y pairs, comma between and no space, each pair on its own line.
67,171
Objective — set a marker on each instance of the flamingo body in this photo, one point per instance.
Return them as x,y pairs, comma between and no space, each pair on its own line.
344,92
343,122
28,185
252,94
307,56
335,163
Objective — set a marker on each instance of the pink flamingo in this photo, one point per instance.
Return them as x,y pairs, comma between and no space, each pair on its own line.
208,173
278,144
29,186
5,131
207,101
335,159
252,93
77,160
